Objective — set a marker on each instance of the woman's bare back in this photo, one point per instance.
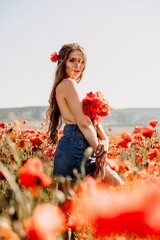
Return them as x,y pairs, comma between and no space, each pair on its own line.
63,90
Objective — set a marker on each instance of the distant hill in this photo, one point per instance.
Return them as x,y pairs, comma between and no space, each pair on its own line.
128,117
131,117
27,113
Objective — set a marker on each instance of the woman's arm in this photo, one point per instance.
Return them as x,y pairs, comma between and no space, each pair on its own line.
71,95
102,135
102,148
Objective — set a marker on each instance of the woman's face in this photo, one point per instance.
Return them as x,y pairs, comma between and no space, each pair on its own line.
75,65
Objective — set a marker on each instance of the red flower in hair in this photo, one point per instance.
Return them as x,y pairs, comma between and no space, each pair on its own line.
95,106
54,57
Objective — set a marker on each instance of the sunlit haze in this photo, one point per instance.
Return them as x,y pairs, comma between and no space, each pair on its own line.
121,39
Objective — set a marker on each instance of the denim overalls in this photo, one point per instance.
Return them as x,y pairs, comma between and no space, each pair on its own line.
70,153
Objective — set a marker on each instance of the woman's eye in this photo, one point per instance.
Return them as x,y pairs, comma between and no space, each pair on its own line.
71,60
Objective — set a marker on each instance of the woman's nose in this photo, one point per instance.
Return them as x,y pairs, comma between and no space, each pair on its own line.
76,64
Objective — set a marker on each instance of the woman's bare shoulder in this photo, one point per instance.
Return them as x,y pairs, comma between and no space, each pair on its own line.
66,84
68,81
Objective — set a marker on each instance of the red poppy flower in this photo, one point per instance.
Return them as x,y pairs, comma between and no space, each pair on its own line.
36,141
111,212
2,177
127,136
22,143
127,140
115,164
153,123
145,131
153,154
140,160
95,106
24,123
49,152
54,57
129,175
123,144
7,233
152,168
26,131
3,125
46,223
31,174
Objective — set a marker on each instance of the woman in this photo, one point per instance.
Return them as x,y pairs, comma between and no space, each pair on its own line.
79,132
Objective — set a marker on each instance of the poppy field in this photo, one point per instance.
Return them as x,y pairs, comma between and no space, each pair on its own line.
35,206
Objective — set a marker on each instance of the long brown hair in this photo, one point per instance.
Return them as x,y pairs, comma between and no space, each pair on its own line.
53,114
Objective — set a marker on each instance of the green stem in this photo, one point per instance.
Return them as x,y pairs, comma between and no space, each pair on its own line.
14,186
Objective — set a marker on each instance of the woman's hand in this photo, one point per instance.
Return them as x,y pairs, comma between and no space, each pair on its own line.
101,155
101,164
102,148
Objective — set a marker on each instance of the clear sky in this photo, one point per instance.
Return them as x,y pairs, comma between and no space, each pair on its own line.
121,38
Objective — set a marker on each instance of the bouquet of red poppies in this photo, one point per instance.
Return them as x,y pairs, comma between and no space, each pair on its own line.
95,106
